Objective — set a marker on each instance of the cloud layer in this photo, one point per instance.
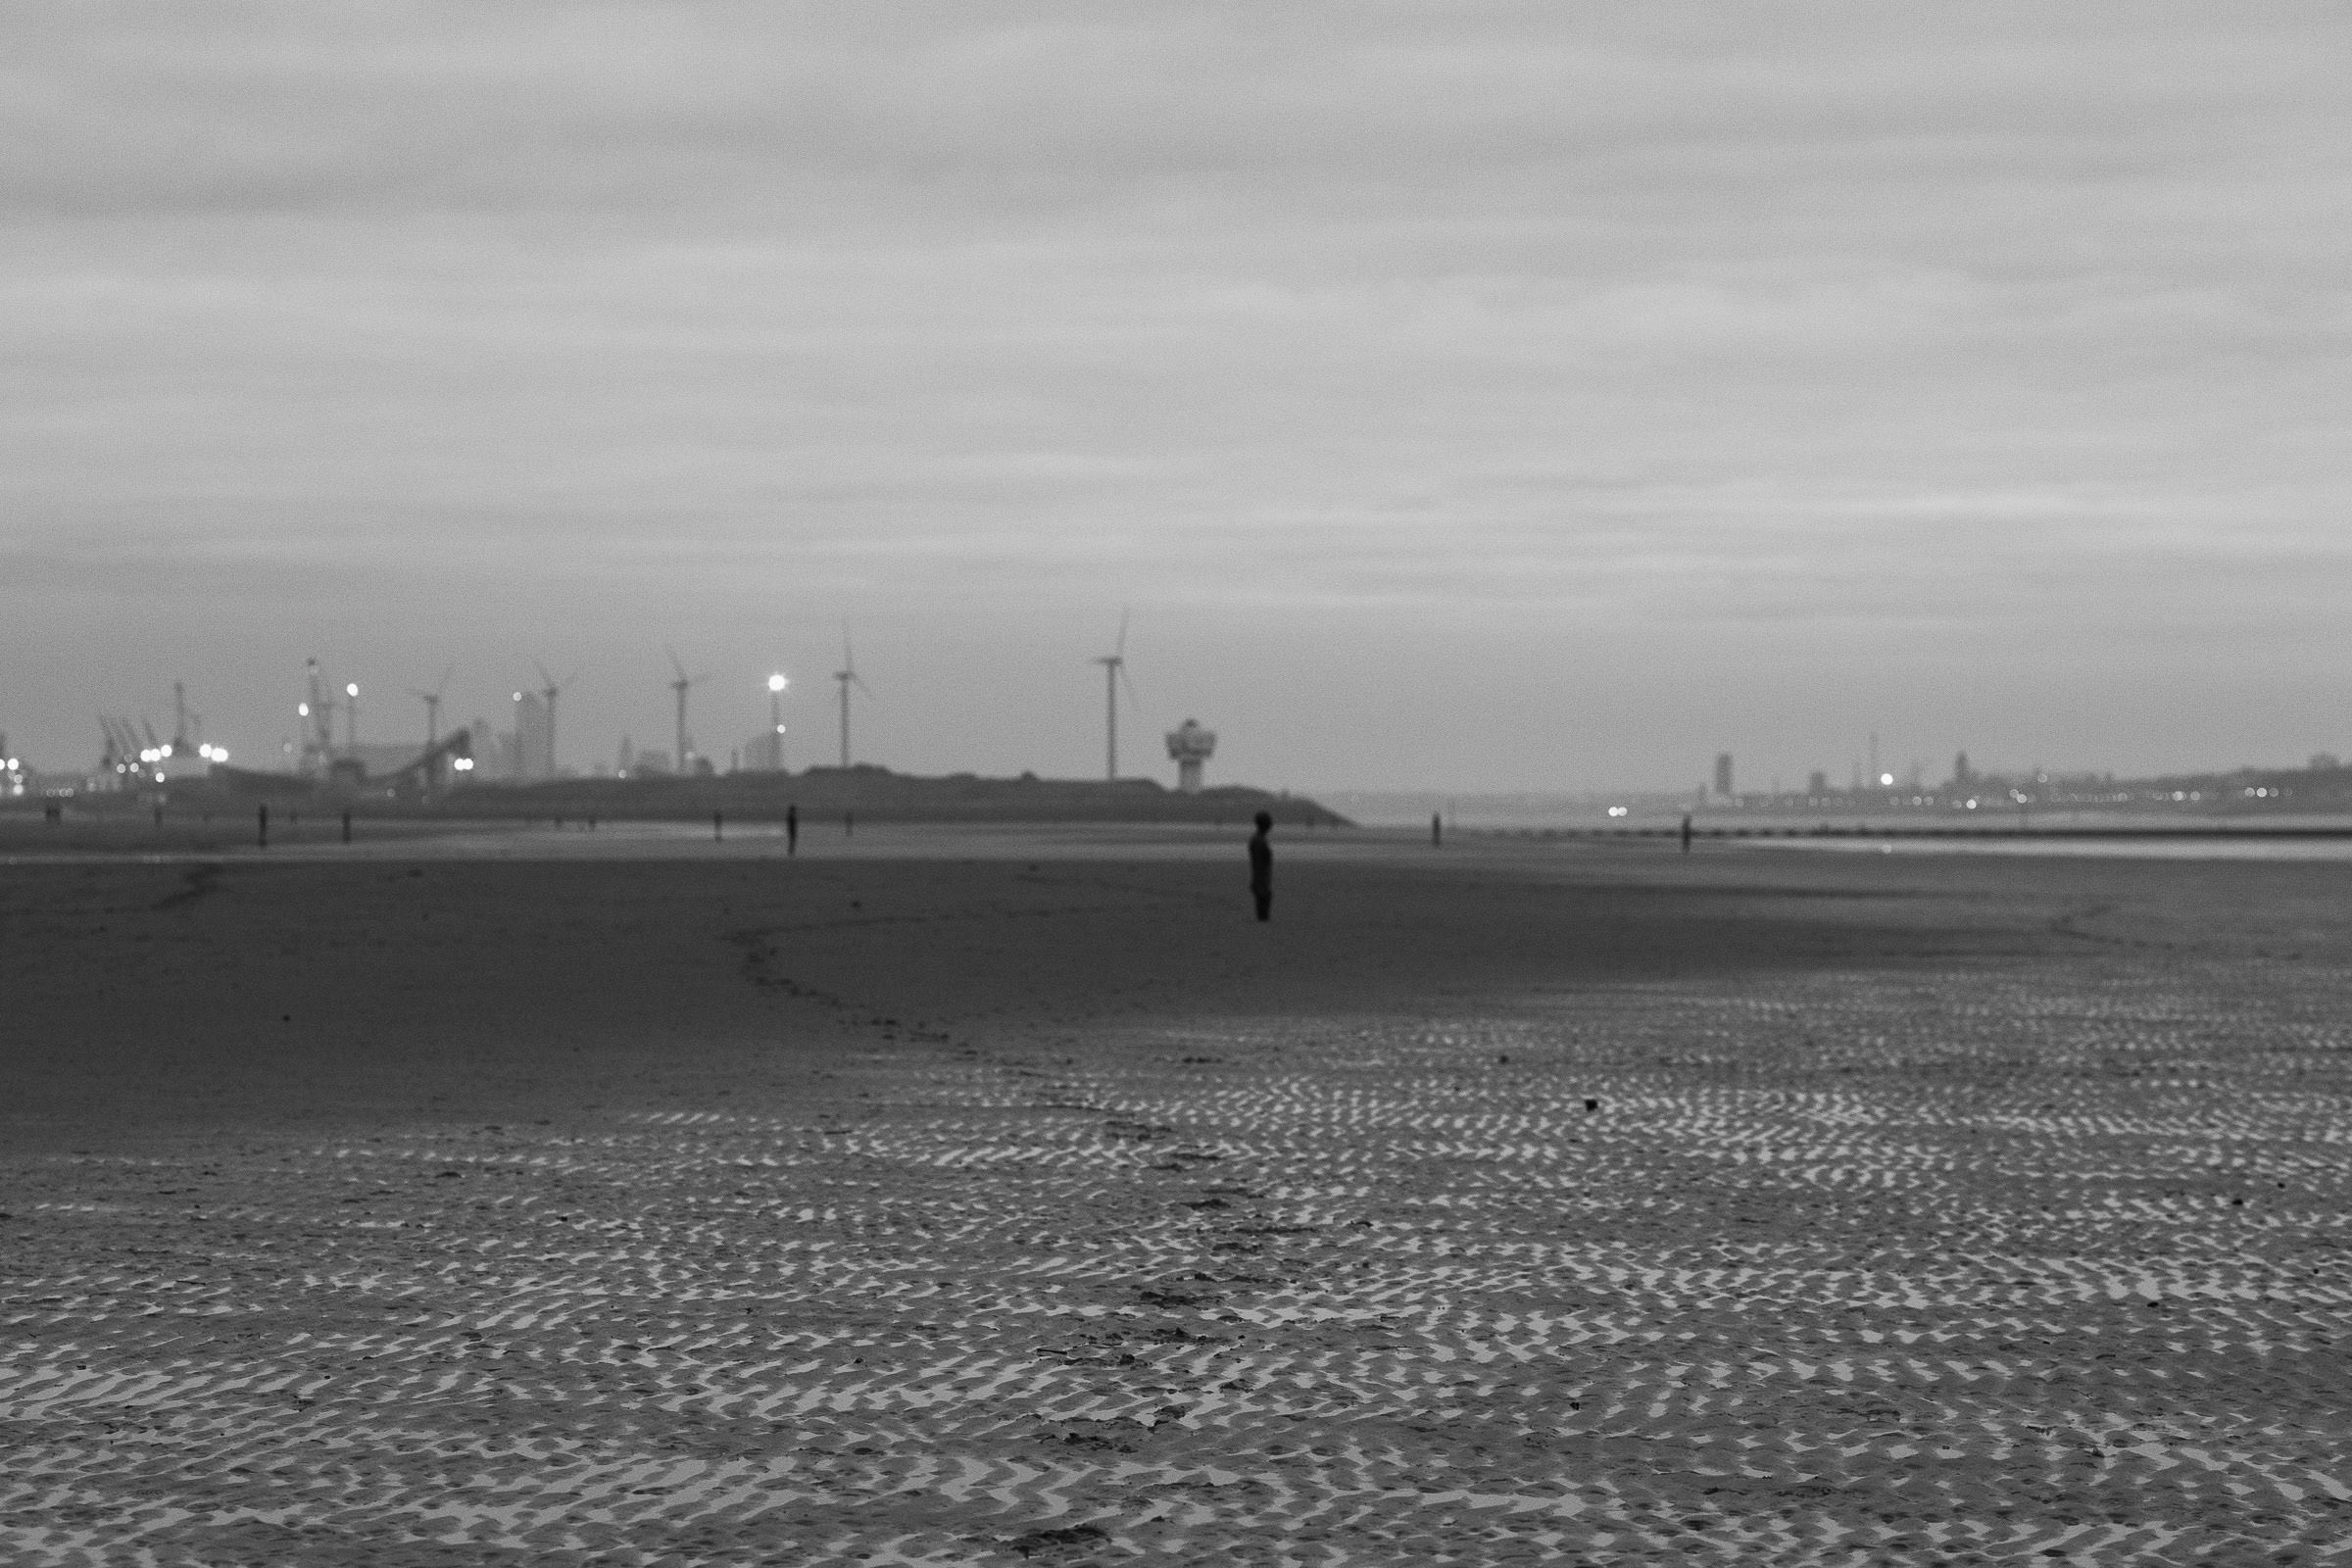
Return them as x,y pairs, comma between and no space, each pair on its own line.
1976,375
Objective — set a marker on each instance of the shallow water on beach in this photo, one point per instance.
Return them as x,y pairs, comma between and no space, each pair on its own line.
2217,847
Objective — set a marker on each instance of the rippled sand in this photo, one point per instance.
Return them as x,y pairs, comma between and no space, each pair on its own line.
1039,1207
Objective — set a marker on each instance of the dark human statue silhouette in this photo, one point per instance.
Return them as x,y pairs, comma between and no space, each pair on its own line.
1261,866
792,829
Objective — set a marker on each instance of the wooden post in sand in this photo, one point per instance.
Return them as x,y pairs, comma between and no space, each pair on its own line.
264,815
718,827
347,827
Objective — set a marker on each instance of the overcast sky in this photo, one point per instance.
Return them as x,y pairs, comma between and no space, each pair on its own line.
1465,397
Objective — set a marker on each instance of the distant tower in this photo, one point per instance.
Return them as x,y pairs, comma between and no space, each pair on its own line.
181,743
534,738
318,714
1960,770
1723,774
846,678
1191,745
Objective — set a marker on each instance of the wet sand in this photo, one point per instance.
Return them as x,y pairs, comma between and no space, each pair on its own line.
1009,1197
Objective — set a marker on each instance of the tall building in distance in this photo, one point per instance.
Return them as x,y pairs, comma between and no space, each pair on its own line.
763,753
535,738
1723,774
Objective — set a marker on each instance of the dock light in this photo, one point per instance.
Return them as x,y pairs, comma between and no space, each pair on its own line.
464,765
777,683
352,689
1887,780
303,710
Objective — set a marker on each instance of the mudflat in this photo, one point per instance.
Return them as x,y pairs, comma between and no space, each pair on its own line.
548,1197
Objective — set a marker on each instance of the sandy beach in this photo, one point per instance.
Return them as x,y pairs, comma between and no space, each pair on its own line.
533,1196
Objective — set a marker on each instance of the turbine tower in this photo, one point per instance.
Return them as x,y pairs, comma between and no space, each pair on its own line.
551,688
1114,671
846,678
682,685
432,708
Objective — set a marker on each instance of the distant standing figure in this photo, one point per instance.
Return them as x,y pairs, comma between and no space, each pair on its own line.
1261,866
792,829
1686,832
1437,830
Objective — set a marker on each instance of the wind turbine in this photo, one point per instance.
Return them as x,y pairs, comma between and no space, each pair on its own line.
683,684
1114,671
551,688
432,708
847,676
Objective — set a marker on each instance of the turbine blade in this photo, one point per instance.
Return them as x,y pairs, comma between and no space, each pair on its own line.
1121,651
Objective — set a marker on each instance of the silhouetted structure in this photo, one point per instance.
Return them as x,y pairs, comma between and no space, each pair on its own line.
1191,747
1261,866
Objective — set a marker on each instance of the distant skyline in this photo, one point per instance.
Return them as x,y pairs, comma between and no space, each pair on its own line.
1465,397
